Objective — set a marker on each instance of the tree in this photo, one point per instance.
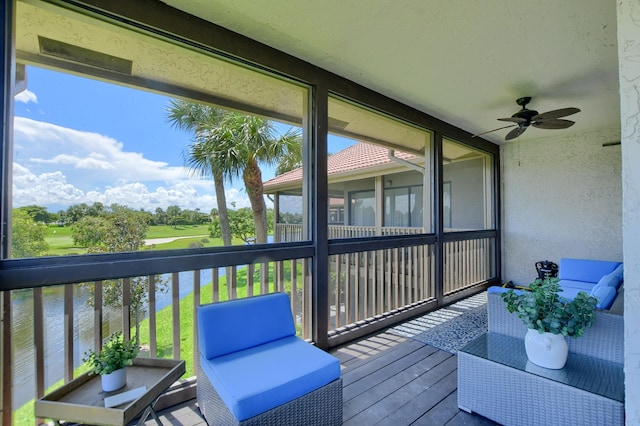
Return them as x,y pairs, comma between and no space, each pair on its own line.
241,221
89,231
96,209
38,213
173,215
199,119
118,229
160,218
291,161
75,213
242,143
27,236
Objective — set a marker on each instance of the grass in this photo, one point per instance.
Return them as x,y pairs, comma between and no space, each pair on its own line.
60,238
25,415
162,231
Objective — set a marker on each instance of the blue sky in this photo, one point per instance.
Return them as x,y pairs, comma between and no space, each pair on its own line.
80,140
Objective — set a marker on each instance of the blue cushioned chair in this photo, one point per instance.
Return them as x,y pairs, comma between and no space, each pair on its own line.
254,369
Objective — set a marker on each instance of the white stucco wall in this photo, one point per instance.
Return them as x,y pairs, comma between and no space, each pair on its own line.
561,197
629,70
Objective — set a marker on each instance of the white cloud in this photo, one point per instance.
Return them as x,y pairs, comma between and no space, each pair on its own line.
53,189
79,163
56,167
51,146
26,96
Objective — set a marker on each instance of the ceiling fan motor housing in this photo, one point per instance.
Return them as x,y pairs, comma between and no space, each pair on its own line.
524,113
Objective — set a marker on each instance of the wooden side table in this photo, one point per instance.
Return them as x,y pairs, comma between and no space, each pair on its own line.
82,399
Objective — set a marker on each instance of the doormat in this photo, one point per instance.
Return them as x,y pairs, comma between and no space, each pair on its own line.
450,328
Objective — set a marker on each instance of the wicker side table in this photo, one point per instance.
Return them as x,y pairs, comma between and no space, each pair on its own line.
496,380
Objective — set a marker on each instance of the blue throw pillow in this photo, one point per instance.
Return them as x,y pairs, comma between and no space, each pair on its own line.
605,296
619,273
608,280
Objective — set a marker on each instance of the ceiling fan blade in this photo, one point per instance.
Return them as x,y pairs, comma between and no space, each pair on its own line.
489,131
515,133
557,113
553,124
514,119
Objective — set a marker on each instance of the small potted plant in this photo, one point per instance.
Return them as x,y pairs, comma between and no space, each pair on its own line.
111,362
550,318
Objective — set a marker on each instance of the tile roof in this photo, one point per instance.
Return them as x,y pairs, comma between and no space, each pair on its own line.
355,157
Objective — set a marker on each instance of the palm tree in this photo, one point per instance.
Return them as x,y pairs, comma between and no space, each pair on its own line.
200,119
242,143
291,161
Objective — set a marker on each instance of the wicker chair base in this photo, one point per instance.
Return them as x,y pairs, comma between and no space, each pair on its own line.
513,397
322,407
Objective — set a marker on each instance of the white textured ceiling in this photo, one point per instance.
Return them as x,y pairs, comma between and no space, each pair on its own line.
462,61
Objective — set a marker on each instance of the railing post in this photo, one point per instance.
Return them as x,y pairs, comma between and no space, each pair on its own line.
126,308
250,273
153,344
6,374
68,332
97,316
215,284
196,303
38,339
175,307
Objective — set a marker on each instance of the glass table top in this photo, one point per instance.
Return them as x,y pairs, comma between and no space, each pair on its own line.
593,375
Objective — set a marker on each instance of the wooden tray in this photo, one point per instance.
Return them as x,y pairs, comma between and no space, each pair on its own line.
82,399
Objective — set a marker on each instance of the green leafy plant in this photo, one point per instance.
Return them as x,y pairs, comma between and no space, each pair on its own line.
542,308
115,354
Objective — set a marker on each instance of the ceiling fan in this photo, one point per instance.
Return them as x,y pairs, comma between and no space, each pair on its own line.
528,117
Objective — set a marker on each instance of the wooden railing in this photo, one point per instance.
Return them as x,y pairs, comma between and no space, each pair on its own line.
287,232
367,284
362,286
466,263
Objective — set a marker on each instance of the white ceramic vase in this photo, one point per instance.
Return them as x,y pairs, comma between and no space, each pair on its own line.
115,380
547,350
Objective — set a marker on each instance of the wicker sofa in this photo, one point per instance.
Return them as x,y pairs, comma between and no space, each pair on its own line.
254,370
496,380
599,278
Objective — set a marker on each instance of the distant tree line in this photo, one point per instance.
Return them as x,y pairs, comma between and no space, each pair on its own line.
173,215
116,228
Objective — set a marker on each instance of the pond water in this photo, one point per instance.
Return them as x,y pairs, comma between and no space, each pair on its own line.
23,337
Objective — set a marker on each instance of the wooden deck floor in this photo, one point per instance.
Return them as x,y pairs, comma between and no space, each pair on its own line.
387,380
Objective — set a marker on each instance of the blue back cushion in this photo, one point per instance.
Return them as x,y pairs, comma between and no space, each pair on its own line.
259,379
232,326
585,270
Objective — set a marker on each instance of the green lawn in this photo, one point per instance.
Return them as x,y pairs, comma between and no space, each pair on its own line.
61,243
162,231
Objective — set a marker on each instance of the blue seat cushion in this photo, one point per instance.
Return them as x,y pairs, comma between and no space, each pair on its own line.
586,286
570,293
258,379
